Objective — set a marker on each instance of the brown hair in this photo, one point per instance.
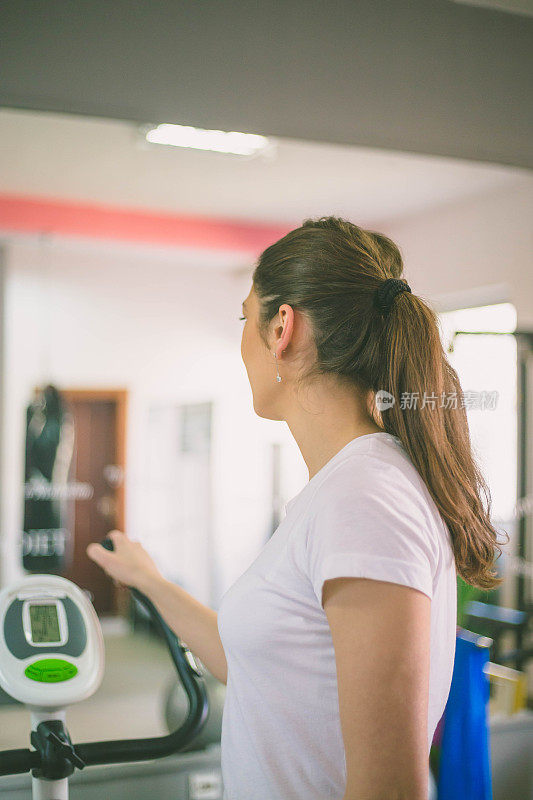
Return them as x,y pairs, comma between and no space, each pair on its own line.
329,269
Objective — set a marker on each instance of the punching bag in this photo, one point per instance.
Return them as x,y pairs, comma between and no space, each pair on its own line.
464,770
49,443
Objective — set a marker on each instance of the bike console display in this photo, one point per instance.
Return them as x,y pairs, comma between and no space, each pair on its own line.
51,644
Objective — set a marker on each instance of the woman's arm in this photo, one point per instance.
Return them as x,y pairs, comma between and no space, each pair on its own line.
193,622
381,637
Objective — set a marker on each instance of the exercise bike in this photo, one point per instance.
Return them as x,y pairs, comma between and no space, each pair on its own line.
52,655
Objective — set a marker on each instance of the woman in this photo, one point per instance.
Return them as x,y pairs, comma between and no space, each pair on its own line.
337,643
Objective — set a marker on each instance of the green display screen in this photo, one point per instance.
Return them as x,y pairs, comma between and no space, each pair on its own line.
44,624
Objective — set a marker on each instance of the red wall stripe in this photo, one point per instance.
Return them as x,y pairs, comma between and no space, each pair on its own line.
64,217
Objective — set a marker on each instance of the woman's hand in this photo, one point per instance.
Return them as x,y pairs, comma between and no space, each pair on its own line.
128,563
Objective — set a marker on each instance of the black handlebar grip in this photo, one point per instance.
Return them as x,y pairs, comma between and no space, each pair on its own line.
160,622
191,678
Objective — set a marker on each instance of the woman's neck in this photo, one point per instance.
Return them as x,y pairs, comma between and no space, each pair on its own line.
327,423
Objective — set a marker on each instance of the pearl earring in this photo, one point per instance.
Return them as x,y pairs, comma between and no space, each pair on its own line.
278,376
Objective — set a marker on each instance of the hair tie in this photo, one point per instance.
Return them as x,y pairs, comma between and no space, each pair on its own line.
387,291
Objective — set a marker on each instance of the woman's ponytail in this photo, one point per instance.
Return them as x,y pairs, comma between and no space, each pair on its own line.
428,415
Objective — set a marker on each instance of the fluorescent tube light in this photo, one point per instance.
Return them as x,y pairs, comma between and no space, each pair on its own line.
242,144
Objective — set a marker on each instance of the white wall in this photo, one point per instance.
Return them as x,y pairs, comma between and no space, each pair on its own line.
169,335
475,251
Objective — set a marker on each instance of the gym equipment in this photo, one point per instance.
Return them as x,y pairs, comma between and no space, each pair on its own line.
496,621
52,655
186,776
508,690
46,542
524,602
175,706
464,766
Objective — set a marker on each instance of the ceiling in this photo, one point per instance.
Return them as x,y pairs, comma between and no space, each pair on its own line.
426,76
105,162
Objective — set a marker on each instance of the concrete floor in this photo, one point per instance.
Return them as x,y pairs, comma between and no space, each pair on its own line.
129,703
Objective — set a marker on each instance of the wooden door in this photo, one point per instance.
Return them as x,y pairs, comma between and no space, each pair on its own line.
98,460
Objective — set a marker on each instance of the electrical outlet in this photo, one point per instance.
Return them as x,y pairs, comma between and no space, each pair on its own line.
205,786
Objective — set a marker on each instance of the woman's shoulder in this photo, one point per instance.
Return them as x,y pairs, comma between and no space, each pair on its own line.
371,510
384,465
379,483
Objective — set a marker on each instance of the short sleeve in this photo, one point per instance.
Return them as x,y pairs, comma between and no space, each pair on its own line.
374,527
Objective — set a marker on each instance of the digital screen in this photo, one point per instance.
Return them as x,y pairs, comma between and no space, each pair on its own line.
44,624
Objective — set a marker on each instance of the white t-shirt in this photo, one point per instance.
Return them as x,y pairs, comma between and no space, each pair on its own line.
366,513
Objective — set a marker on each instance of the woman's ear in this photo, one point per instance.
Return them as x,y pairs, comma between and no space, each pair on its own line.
283,328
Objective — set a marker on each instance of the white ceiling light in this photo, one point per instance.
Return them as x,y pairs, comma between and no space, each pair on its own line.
242,144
